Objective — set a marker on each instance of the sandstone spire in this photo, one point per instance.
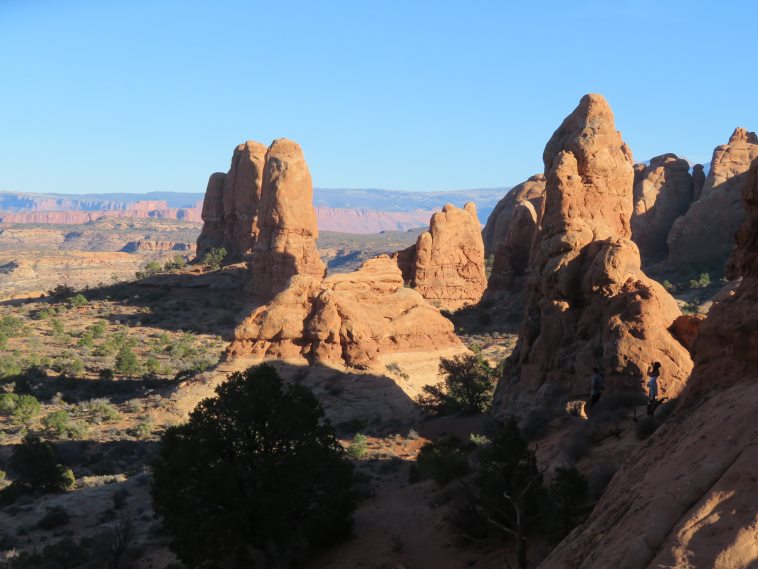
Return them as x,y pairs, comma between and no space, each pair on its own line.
446,266
589,304
703,238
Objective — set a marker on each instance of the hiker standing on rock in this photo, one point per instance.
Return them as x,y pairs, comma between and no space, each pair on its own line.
596,387
652,387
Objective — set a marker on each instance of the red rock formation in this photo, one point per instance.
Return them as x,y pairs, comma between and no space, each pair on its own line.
662,192
286,242
241,197
686,497
698,181
446,266
589,303
213,233
348,318
511,255
496,229
703,238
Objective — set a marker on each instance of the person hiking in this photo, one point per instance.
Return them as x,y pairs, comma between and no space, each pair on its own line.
654,374
596,386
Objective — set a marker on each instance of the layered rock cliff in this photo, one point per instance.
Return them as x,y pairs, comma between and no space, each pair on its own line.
686,497
588,302
703,238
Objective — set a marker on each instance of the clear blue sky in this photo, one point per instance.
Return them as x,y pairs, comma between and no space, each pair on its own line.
147,95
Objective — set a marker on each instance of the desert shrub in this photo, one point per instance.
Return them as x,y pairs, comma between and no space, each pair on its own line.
27,408
59,424
581,441
468,387
10,365
62,292
703,281
150,269
668,286
255,468
12,327
68,364
412,435
57,327
86,341
38,469
536,422
358,446
443,460
394,367
77,300
127,362
143,429
175,264
8,402
97,329
214,258
3,340
55,517
98,411
568,499
106,374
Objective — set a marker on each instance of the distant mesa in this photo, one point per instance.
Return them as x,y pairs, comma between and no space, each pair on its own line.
588,302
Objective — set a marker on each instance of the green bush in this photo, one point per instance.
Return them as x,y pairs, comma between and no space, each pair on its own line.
214,258
12,327
98,411
69,365
59,424
27,408
468,387
86,341
443,460
10,366
703,281
144,428
358,446
77,300
8,403
175,264
63,554
150,269
254,469
127,362
38,468
97,329
106,374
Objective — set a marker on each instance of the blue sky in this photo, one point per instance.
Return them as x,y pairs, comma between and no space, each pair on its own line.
139,95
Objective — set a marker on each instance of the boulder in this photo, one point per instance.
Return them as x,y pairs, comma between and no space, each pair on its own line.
446,266
348,319
698,181
686,497
511,255
588,302
663,191
703,238
287,228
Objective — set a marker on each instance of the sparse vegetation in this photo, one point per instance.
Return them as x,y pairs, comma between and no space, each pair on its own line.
294,487
358,447
37,468
150,269
468,387
703,281
443,460
175,264
214,258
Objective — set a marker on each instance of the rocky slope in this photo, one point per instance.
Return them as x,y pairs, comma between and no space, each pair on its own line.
704,236
686,498
663,191
446,266
589,303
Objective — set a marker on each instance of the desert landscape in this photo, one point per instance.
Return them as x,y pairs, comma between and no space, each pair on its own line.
556,371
